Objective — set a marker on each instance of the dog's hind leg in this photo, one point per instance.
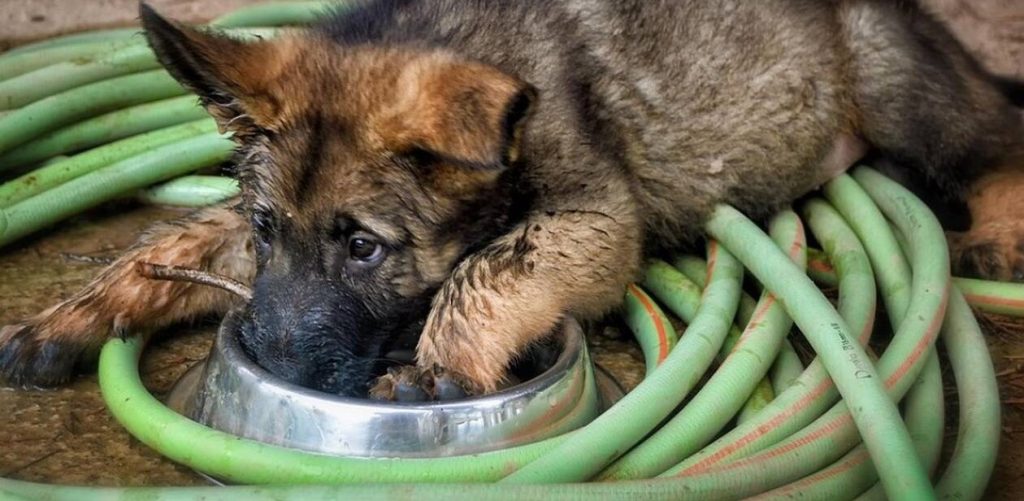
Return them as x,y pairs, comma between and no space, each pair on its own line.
924,103
46,349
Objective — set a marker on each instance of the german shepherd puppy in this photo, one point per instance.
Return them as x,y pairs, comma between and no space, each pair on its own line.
478,169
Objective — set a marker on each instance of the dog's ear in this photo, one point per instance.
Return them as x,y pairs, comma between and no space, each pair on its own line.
467,113
230,76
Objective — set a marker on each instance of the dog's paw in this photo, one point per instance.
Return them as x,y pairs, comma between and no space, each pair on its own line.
49,349
414,384
31,358
992,251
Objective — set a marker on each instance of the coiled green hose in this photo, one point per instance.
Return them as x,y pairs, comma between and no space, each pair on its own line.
789,438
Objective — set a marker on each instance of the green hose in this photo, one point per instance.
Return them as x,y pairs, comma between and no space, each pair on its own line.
863,391
35,85
105,128
191,191
768,388
66,75
977,443
161,163
786,369
121,35
787,366
56,173
1001,298
666,489
730,386
642,314
20,61
904,356
276,14
863,215
266,14
625,424
783,438
854,472
45,115
833,432
813,392
993,297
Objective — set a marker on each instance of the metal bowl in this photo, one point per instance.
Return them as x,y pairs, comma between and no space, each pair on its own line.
231,393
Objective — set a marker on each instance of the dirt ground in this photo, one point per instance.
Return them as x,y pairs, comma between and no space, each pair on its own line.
66,435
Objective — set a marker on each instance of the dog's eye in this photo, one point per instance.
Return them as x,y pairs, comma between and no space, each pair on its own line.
364,249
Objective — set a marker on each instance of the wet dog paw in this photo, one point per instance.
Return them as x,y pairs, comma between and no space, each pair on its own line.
29,357
414,384
993,251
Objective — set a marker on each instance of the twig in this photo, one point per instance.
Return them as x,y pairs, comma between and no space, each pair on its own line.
30,464
83,258
176,273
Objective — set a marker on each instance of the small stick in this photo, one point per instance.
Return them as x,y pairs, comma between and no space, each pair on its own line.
83,258
177,273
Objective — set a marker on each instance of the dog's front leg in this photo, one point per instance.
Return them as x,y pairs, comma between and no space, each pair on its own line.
46,349
560,261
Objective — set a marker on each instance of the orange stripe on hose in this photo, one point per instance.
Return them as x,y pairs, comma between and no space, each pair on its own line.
821,266
979,299
755,320
758,432
836,423
712,260
924,344
656,318
799,241
849,464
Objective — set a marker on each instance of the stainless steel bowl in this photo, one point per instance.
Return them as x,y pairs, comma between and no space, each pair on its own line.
231,393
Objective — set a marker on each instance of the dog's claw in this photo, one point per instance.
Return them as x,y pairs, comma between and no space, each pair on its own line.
414,384
445,388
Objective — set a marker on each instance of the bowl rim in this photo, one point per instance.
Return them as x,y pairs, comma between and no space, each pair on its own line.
573,349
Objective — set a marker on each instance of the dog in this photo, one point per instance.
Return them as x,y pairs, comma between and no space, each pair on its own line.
475,170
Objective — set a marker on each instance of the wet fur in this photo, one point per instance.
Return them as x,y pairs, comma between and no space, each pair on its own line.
519,158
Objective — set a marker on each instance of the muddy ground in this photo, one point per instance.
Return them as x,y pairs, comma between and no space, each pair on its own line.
67,436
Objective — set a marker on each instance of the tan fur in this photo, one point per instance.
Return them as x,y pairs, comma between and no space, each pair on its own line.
119,300
994,245
479,320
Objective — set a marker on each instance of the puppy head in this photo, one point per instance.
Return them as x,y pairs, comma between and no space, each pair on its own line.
368,172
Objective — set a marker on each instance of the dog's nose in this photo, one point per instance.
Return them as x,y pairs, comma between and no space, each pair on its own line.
310,333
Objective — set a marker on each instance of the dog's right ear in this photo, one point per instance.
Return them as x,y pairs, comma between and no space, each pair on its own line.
231,77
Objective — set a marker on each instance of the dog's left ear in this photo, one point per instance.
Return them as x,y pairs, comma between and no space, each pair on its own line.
468,113
230,76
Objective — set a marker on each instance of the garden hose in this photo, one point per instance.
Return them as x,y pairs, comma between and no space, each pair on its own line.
97,131
23,124
65,75
191,191
789,438
787,366
729,387
57,173
126,395
665,489
854,473
158,164
265,14
642,314
813,392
